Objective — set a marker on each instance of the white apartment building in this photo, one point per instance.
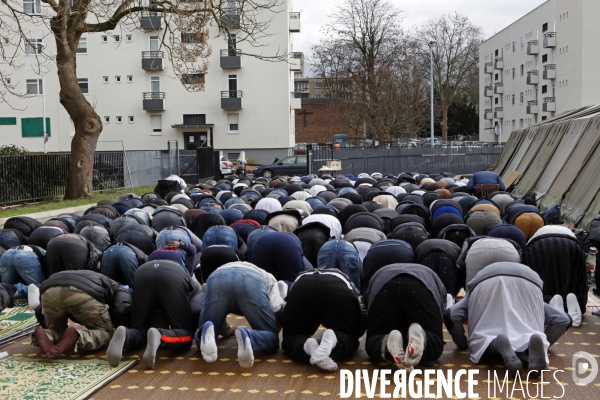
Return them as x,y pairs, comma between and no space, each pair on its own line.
545,63
246,105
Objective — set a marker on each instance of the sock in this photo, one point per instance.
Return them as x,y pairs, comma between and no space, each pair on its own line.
33,296
115,347
283,289
208,342
245,354
153,339
557,302
395,347
310,346
574,310
512,362
416,345
320,355
449,301
537,354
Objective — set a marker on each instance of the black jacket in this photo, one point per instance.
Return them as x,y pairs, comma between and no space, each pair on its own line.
100,287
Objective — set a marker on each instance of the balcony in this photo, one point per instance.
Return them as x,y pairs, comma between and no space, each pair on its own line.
231,17
154,101
549,40
533,47
549,71
296,100
549,104
152,60
533,77
230,58
488,114
499,63
296,62
294,22
231,100
498,113
488,68
532,107
499,88
151,20
489,91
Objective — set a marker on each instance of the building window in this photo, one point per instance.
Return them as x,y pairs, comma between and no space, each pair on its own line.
118,79
514,73
32,6
129,38
496,77
318,85
545,58
192,37
83,85
496,100
545,89
104,39
513,99
33,46
34,86
105,79
129,78
233,121
156,124
82,46
545,27
130,118
544,118
7,81
107,120
522,70
119,119
514,46
300,86
521,98
496,53
117,38
522,42
192,79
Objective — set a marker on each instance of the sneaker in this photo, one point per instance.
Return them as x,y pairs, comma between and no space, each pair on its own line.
416,345
396,348
208,344
245,353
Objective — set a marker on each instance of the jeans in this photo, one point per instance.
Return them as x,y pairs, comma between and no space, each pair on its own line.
220,234
9,239
119,263
20,264
173,234
342,255
241,291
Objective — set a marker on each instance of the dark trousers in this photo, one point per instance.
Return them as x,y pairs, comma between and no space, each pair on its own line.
164,288
321,299
401,302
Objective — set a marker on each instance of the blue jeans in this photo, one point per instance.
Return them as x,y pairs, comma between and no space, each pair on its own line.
342,255
15,264
9,239
119,263
220,234
241,291
173,234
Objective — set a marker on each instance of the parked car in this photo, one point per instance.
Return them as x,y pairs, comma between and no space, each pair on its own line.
294,165
225,166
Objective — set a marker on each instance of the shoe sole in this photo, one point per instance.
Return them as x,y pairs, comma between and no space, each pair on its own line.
116,343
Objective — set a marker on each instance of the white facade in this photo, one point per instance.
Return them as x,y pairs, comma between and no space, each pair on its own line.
566,67
263,126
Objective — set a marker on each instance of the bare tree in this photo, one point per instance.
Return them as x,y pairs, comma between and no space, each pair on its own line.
455,58
184,39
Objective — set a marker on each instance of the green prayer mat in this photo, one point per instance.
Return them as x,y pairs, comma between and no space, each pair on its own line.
16,322
32,379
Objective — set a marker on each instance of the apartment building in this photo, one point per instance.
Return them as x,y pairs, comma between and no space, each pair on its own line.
320,88
247,103
543,64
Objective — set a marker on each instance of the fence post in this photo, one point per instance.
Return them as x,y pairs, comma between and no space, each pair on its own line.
309,157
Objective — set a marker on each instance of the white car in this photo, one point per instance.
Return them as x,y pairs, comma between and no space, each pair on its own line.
226,166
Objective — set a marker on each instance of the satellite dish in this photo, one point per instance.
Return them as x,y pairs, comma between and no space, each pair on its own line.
498,130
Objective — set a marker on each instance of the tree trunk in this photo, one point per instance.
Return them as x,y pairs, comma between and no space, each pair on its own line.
88,124
444,123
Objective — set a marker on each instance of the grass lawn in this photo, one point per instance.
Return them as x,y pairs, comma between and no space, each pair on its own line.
58,203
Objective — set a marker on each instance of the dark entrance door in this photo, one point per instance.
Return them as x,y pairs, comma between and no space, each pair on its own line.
193,140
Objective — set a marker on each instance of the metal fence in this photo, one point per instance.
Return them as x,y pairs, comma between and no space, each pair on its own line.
459,160
41,176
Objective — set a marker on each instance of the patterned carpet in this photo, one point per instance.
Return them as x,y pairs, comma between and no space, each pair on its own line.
186,375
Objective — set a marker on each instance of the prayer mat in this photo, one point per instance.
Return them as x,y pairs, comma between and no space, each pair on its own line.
593,303
16,322
26,378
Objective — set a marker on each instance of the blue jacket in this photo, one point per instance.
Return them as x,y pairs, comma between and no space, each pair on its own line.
485,177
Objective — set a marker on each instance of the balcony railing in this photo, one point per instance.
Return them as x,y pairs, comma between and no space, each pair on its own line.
498,112
152,60
294,15
533,77
294,22
154,101
296,100
549,39
549,71
549,104
499,88
499,63
488,68
231,17
488,114
231,58
150,20
154,95
231,99
533,47
489,91
532,107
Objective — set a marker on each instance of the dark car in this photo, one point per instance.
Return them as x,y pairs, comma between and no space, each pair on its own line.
294,165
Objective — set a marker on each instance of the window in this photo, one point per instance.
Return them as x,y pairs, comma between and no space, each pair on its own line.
496,76
33,46
318,96
105,79
522,42
32,6
129,38
155,84
117,38
514,46
130,118
118,79
129,78
119,119
5,40
318,85
514,72
545,27
104,39
194,119
300,86
513,99
521,98
545,58
496,100
34,86
156,124
83,85
496,53
545,89
195,37
544,118
522,70
7,81
107,120
82,46
192,79
233,123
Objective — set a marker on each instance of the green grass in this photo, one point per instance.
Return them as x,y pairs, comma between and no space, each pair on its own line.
57,204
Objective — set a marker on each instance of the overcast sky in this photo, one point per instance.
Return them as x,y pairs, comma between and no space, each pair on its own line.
491,15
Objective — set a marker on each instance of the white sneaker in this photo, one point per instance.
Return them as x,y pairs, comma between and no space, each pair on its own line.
208,342
574,310
245,353
557,302
416,345
395,347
